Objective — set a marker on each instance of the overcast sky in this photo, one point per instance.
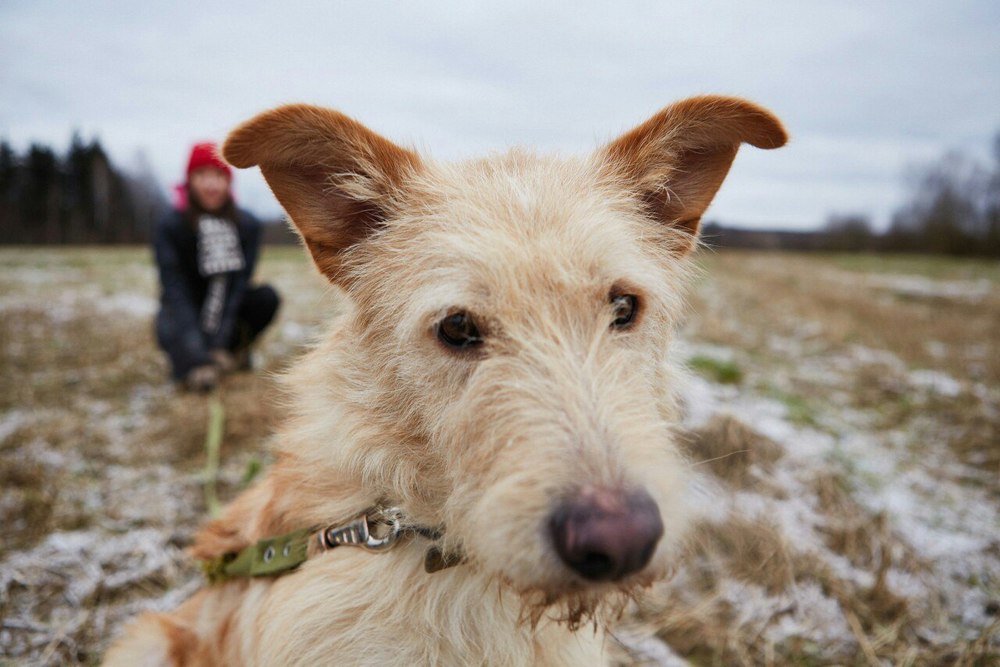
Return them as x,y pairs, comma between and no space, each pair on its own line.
865,88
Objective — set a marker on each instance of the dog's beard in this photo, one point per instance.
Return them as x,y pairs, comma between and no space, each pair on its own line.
580,604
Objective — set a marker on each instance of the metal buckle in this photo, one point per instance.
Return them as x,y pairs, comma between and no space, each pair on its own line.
375,530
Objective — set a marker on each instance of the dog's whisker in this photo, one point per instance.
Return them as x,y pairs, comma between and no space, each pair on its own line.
719,458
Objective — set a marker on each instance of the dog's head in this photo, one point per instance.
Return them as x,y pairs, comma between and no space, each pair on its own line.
506,361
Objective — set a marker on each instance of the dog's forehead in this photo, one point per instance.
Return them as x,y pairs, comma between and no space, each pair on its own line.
539,222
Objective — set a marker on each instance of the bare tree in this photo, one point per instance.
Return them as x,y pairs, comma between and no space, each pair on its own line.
947,211
849,233
79,198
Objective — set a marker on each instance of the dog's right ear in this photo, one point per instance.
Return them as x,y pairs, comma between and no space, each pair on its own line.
676,161
337,180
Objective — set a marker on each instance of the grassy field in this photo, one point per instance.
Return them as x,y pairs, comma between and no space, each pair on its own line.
844,411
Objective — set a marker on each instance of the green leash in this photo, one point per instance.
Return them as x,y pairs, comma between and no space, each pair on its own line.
268,557
213,443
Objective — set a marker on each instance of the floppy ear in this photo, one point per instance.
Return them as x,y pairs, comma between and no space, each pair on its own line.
337,180
676,160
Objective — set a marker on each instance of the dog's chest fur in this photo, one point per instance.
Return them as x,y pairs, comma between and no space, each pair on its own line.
366,609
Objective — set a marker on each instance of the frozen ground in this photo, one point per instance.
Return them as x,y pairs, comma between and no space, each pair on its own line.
846,434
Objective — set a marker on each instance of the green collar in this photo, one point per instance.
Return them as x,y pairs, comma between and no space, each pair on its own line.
267,558
378,529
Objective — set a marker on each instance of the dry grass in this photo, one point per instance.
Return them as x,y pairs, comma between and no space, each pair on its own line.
100,456
841,344
828,337
750,550
843,302
783,308
731,450
700,617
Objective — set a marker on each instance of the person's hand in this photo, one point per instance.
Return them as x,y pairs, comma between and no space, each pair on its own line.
223,360
202,378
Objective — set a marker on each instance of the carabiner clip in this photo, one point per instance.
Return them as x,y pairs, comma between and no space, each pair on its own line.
376,530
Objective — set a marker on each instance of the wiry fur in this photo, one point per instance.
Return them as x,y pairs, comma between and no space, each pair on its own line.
484,442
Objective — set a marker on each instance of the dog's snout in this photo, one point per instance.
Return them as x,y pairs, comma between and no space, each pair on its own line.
605,535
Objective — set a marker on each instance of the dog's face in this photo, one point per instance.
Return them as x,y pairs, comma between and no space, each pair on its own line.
511,330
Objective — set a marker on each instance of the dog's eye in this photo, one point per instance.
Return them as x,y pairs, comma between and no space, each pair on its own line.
459,331
624,308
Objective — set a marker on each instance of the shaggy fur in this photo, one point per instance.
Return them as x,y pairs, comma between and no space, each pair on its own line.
484,442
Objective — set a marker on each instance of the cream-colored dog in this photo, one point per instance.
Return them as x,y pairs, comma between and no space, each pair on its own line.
494,406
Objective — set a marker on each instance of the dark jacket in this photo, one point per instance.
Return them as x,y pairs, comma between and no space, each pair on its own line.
184,288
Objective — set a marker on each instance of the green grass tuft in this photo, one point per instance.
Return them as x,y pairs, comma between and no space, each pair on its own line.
725,372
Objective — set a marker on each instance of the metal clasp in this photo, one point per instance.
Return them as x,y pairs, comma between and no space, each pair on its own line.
375,530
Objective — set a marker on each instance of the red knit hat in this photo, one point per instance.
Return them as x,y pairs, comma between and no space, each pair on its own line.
206,154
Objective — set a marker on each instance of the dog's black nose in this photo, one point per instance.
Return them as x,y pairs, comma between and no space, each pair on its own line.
604,535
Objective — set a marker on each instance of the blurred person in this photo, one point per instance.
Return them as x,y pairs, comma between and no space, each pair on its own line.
206,250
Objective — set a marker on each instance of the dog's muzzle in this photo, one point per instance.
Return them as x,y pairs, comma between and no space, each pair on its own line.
605,535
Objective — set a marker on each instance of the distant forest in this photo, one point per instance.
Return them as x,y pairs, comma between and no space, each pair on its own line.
78,197
953,207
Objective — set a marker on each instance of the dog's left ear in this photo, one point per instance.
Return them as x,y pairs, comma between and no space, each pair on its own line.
676,160
337,180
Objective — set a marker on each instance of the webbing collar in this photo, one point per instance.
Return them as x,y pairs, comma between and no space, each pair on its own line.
377,529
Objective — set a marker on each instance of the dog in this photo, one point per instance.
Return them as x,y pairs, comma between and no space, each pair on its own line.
479,465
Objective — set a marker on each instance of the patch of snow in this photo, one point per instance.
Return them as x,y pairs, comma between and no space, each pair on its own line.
649,650
128,303
50,457
912,286
943,521
13,421
795,516
72,303
815,615
936,382
46,274
863,355
950,526
702,495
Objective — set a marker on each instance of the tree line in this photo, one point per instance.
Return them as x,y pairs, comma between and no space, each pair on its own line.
76,197
953,207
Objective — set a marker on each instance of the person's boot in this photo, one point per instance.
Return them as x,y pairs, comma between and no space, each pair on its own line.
242,355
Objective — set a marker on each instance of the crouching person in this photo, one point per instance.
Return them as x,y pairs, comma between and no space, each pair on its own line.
206,250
